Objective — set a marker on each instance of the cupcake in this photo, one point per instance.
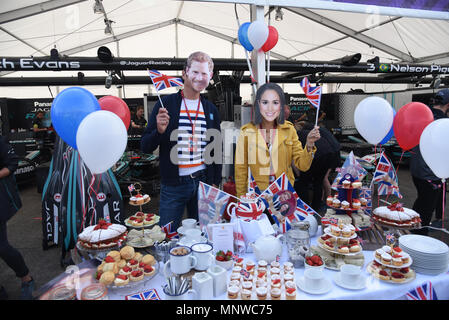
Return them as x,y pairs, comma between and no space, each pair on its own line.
387,249
236,277
275,264
290,284
233,292
236,269
246,294
262,264
261,293
275,293
344,204
352,228
329,201
363,201
262,275
276,282
261,283
336,231
356,204
288,265
290,293
343,249
336,203
355,247
378,253
249,278
250,266
274,271
289,277
346,232
234,283
346,184
247,285
239,262
356,184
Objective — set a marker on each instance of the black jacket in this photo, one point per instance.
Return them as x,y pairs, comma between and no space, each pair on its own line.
151,139
10,201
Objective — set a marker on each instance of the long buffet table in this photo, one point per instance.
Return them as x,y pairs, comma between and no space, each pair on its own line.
375,289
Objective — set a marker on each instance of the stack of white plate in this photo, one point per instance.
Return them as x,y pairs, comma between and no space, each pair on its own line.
429,255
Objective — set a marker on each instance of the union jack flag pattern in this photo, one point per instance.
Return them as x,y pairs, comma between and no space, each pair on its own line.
298,212
365,192
423,292
386,177
162,81
168,229
253,188
313,94
131,188
147,295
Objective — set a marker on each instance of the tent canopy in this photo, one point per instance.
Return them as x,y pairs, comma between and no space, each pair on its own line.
162,28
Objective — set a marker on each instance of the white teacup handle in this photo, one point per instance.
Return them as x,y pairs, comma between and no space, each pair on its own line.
230,206
194,261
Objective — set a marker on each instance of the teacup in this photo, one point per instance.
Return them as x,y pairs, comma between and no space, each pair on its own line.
193,235
314,279
182,296
350,274
181,260
204,256
189,223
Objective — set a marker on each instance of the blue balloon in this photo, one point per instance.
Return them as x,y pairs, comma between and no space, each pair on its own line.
243,36
68,109
390,133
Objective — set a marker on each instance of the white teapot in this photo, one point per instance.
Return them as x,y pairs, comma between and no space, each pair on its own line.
267,247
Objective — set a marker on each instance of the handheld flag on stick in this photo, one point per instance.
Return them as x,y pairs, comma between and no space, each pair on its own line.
162,81
313,94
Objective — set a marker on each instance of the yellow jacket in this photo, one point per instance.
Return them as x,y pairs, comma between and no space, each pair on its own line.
252,152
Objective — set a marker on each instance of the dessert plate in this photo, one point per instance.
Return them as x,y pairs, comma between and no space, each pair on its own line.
324,289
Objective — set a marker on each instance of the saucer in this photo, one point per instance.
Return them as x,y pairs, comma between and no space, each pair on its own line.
185,242
325,289
354,286
182,231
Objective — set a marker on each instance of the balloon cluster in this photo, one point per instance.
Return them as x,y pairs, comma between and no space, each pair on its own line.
257,35
413,124
96,128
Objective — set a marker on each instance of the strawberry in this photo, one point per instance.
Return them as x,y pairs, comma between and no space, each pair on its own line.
148,268
122,276
229,253
133,262
290,290
239,260
126,269
383,272
315,259
276,281
142,265
220,258
98,276
109,259
136,273
405,270
397,275
397,249
249,268
261,274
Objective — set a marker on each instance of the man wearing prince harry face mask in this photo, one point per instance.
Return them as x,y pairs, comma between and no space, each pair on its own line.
178,127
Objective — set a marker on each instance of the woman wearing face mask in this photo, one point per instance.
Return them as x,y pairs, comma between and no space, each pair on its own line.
268,144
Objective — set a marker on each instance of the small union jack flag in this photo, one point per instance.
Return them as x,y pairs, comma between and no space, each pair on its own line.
313,94
390,238
423,292
162,81
168,229
131,188
386,177
382,169
253,186
147,295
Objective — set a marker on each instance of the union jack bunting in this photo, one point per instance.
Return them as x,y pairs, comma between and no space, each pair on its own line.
329,221
283,194
423,292
252,187
211,205
147,295
162,81
351,166
313,94
168,229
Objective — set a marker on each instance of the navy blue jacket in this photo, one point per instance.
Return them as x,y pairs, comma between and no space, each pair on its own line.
10,201
151,139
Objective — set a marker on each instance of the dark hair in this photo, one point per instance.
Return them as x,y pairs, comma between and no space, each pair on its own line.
140,108
269,86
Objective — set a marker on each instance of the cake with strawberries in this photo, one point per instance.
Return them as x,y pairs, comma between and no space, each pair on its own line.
396,215
102,235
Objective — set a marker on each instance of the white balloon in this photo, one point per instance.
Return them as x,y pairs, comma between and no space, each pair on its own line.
258,34
434,147
373,118
101,139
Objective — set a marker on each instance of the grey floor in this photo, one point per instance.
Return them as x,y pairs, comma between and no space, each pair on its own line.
25,234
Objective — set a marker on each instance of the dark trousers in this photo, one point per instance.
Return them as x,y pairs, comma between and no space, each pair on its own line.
315,176
10,255
430,199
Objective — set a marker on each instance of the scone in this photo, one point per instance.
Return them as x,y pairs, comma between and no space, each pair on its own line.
148,270
148,259
126,271
121,280
107,278
138,256
111,267
133,264
115,255
122,263
136,275
127,252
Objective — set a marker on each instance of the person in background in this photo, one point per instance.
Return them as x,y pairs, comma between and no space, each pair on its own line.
192,115
325,159
268,144
429,187
138,121
10,203
39,129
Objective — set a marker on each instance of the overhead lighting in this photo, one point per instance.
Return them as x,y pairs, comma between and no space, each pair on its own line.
54,54
104,54
351,60
108,81
279,14
98,7
108,29
374,61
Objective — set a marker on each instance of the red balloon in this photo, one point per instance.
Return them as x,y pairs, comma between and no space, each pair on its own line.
409,123
273,37
117,106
